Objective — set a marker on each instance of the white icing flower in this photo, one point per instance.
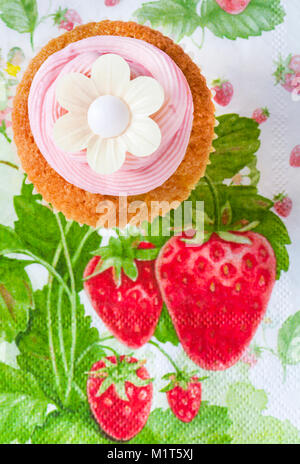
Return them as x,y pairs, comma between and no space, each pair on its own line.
108,114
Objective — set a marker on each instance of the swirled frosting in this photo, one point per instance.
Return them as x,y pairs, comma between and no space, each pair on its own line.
175,118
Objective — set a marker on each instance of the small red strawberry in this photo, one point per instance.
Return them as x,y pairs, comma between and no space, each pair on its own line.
288,73
295,157
217,293
183,394
261,115
121,285
283,205
120,394
223,92
111,2
66,18
233,6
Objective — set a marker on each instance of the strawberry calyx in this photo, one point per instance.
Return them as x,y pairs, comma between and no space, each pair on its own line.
283,69
265,112
181,379
279,197
60,15
121,253
219,82
116,372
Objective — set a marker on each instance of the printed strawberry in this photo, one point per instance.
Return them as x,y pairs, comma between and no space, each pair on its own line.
261,115
233,6
288,73
183,394
217,293
111,2
66,18
121,285
120,394
283,205
295,157
223,92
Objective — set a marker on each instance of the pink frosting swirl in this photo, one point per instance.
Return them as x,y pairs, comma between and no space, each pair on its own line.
175,118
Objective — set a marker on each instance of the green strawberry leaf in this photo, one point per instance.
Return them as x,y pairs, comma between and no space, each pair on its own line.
20,15
288,342
259,16
15,298
165,331
244,402
23,405
235,147
9,241
65,427
38,229
210,426
57,351
178,17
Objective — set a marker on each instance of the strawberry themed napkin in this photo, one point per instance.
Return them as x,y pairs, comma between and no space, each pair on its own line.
111,336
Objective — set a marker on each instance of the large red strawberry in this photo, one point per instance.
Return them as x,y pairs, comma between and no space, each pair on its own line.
288,73
233,6
66,18
217,293
120,395
223,92
120,282
183,394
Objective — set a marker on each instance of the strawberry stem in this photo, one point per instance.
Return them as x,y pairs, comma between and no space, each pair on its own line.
105,347
166,355
8,163
215,196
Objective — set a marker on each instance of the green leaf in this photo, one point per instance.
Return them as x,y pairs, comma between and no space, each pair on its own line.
250,425
259,16
46,347
235,147
210,426
165,331
65,427
146,254
20,15
178,17
15,298
288,342
23,405
9,240
38,229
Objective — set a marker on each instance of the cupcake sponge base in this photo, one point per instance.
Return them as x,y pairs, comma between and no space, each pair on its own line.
85,207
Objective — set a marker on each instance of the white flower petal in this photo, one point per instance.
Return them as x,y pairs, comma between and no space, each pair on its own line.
111,75
145,96
106,156
71,132
143,137
75,92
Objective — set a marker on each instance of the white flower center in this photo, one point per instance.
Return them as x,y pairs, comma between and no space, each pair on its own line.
108,116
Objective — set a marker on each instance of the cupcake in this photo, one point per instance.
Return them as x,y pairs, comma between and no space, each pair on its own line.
113,118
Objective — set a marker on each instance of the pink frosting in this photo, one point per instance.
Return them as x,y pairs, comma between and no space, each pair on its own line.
175,118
